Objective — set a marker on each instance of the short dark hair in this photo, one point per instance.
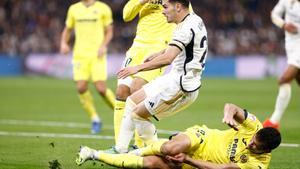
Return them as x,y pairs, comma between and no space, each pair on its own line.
185,3
269,137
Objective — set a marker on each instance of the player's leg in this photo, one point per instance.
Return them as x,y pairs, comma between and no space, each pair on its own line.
127,124
137,83
99,77
283,97
122,92
81,76
123,160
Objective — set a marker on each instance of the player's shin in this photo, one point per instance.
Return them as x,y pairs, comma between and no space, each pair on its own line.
118,115
127,128
146,130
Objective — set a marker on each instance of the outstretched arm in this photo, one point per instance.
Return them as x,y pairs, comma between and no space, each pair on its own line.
183,158
161,60
233,115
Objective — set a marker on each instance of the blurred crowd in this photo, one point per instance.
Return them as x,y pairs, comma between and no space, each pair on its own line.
235,27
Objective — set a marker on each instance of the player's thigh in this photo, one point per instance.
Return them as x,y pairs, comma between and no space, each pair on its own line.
289,74
81,69
99,69
137,83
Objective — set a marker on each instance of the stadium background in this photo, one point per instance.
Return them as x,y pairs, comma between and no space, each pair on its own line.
40,117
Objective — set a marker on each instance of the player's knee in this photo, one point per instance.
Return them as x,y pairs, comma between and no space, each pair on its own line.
137,84
170,148
82,87
122,92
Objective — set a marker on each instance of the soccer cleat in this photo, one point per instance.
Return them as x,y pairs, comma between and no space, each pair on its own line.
85,154
268,123
96,127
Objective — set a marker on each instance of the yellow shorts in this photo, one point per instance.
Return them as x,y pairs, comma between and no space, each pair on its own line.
137,55
90,68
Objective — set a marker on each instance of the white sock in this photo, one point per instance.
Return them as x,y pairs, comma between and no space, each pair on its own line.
127,128
146,130
282,102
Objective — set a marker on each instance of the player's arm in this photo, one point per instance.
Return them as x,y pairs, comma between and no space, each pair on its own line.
108,35
154,55
277,14
277,18
234,114
183,158
132,8
164,59
65,37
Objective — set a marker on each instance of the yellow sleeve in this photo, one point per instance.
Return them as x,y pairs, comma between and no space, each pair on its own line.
131,9
251,124
70,21
107,18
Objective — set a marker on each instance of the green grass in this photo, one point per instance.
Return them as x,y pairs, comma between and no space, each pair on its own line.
47,99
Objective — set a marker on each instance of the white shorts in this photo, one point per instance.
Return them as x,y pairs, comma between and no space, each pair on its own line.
164,96
293,54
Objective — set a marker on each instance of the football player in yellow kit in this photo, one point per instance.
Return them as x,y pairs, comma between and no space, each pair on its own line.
245,146
92,22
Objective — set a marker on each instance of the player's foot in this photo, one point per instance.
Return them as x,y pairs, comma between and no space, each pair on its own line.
268,123
85,154
96,127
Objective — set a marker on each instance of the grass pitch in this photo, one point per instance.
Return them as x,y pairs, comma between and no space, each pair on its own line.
42,123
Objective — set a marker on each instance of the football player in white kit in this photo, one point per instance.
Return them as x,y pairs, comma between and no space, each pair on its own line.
171,92
286,15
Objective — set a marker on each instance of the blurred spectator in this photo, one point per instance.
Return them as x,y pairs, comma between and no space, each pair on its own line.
235,27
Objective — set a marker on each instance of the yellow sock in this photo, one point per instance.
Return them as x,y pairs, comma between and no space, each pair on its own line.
110,98
121,160
87,102
138,141
154,148
118,115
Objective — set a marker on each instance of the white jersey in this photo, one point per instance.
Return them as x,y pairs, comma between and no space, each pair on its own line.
287,11
190,37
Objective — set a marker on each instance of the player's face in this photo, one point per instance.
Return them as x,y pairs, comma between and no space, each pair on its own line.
255,146
169,11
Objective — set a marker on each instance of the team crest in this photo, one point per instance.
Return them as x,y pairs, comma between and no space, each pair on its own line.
244,158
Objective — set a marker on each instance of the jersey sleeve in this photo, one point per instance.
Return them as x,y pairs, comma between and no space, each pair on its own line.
277,13
107,17
131,9
251,123
181,38
70,21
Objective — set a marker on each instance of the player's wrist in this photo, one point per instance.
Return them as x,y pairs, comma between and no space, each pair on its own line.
142,2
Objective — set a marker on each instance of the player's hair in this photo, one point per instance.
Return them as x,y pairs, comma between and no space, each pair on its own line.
269,137
185,3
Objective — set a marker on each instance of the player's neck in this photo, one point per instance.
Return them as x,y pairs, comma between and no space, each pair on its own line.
181,17
88,3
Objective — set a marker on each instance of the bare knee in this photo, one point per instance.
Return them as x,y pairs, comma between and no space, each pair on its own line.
137,84
122,92
170,148
101,88
82,86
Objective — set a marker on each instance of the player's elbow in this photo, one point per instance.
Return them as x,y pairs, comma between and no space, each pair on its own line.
127,17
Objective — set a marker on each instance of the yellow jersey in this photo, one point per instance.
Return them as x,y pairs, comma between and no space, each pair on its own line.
152,27
89,24
227,146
